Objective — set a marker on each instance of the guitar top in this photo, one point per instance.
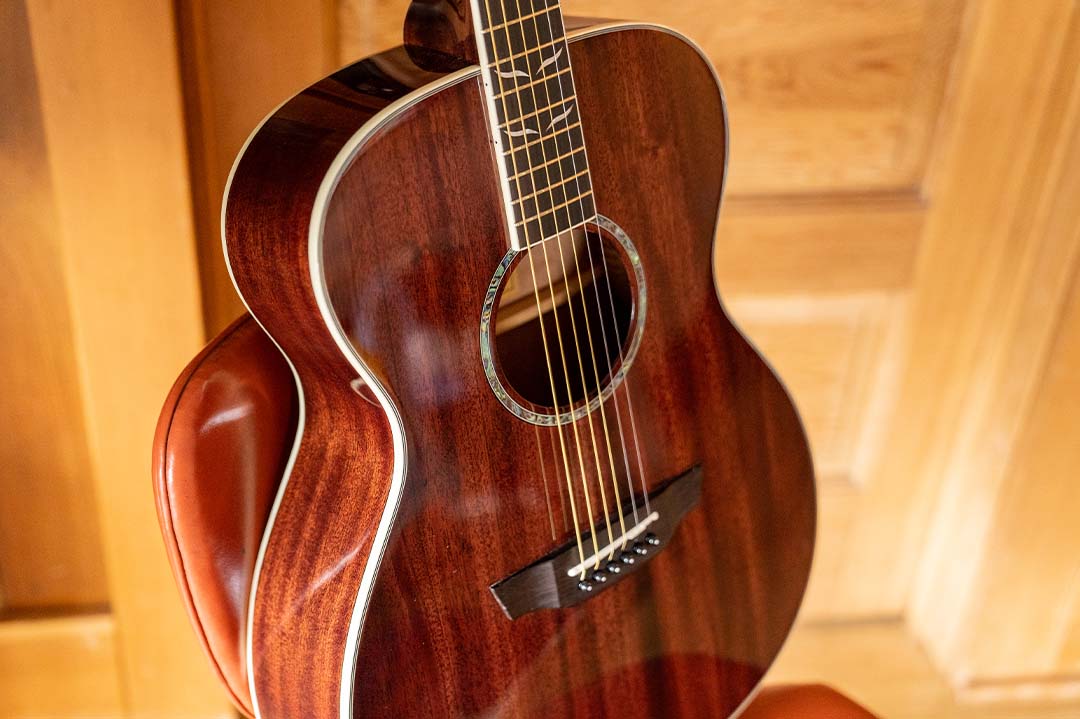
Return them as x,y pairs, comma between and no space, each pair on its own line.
496,448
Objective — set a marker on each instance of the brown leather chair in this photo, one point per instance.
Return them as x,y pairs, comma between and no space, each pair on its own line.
812,701
222,440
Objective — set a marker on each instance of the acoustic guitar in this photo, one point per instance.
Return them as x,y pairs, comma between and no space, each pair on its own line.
511,458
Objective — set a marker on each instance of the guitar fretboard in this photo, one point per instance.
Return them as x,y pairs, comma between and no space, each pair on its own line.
533,111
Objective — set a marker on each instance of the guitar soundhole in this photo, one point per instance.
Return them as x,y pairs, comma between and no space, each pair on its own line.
565,320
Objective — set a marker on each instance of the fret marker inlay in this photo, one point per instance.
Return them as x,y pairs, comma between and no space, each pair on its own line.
535,122
545,63
522,133
559,118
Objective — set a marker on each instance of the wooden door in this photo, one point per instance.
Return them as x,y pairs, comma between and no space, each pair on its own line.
99,311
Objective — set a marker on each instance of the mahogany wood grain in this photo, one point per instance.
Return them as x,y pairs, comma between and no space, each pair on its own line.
412,237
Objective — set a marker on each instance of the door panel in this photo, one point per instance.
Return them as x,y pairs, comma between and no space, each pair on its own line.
43,452
825,97
64,666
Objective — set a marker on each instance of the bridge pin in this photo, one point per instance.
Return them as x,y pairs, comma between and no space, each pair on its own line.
652,539
626,558
598,577
639,548
584,586
612,567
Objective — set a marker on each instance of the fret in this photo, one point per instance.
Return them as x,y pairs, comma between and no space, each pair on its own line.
574,178
554,223
552,145
518,88
550,195
493,12
529,50
534,113
529,144
554,204
505,69
523,18
545,220
544,164
544,191
518,103
572,200
542,17
551,186
534,118
504,43
530,35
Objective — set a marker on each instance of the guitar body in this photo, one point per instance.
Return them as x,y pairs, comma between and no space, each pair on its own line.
363,228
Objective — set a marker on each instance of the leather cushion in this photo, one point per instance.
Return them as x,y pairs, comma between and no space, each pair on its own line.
222,441
812,701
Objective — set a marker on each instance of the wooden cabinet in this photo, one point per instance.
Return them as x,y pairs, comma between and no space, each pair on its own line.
900,238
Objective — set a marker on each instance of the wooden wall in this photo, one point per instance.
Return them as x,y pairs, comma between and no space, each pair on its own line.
994,593
239,61
103,311
43,441
900,238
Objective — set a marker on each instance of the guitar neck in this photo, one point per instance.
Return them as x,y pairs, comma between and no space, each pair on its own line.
533,118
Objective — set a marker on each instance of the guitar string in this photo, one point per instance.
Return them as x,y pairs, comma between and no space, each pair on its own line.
547,350
494,70
547,492
613,315
558,482
558,327
565,46
596,294
564,183
569,297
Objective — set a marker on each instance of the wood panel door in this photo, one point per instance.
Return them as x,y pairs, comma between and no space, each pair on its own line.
98,313
891,164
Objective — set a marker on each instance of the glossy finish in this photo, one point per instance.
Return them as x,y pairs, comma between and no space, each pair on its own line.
412,236
221,443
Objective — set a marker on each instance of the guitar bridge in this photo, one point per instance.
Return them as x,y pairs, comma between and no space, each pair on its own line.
561,579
